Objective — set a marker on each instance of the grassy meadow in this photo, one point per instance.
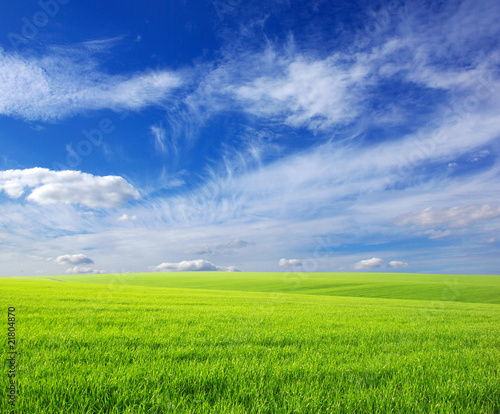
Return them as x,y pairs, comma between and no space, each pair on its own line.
255,343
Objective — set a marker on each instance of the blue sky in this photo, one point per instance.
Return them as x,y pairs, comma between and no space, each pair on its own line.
257,136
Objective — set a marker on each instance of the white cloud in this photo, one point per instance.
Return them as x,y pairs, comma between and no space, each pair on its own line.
96,45
395,264
159,136
303,90
289,262
126,217
263,204
192,265
344,188
68,187
68,81
368,264
454,216
312,93
73,259
83,269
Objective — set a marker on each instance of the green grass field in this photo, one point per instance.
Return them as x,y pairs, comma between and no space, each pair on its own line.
254,343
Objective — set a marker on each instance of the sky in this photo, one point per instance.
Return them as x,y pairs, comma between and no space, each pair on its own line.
285,135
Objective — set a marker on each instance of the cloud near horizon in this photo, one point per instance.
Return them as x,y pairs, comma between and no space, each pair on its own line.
396,264
192,265
83,269
289,262
73,259
368,264
384,146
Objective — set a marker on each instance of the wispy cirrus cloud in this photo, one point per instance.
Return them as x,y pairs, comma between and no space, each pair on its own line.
292,85
312,93
67,81
353,184
159,136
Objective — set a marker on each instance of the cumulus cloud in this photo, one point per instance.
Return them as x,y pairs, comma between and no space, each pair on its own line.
83,269
395,264
77,260
192,265
68,81
68,187
290,262
453,217
368,264
73,259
